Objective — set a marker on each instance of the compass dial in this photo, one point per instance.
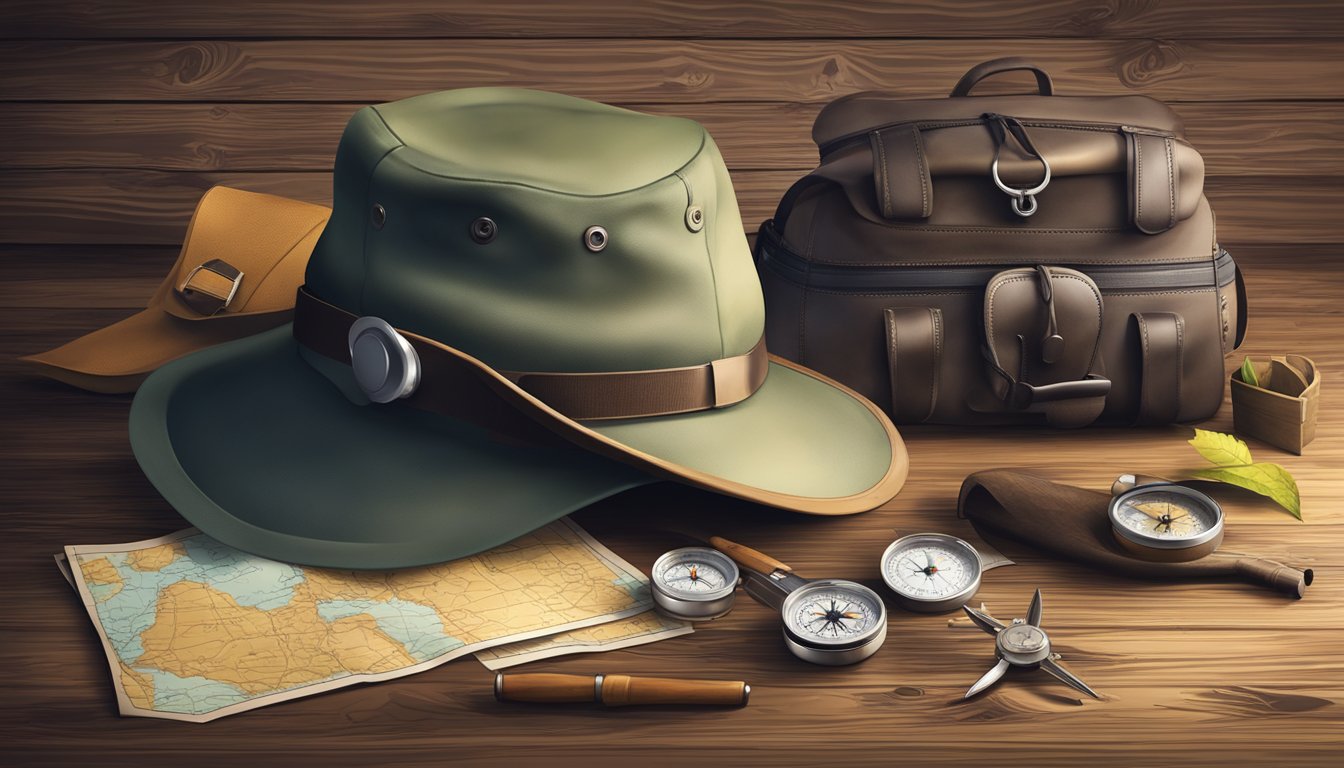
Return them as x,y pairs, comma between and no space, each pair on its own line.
692,576
931,571
694,583
1166,520
834,613
1164,515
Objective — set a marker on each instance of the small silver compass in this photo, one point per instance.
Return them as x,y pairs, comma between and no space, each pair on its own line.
694,583
826,621
931,572
1021,644
834,622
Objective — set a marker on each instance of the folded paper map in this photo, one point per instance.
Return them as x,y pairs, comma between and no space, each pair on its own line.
622,633
195,630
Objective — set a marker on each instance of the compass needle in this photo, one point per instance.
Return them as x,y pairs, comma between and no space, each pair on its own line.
991,677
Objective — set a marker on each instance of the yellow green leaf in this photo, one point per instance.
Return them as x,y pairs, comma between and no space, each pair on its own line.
1221,449
1248,373
1269,480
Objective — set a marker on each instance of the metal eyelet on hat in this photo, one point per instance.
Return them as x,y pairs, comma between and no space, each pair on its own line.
379,216
695,218
385,364
484,229
595,238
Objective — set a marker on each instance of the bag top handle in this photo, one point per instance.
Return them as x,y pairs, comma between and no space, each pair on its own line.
996,66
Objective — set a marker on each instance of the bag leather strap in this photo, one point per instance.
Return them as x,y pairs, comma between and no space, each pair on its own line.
1153,180
324,328
1161,337
914,355
901,178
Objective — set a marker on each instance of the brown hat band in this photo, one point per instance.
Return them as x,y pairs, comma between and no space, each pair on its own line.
325,328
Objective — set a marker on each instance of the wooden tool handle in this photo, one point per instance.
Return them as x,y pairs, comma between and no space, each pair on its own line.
618,690
545,688
748,557
624,690
1284,578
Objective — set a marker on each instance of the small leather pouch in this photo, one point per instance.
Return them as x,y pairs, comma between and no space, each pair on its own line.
1282,410
1042,333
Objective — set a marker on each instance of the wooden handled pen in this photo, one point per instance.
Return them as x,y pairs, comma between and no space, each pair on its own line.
618,690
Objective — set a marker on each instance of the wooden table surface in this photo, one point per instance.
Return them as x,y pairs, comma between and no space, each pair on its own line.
118,115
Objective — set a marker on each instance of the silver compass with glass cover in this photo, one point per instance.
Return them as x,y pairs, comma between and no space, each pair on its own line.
825,621
694,583
1164,522
931,572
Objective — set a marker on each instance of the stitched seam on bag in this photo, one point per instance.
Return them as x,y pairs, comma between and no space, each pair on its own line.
1171,184
923,174
936,315
887,294
1180,362
893,349
1161,293
886,179
1138,182
1147,380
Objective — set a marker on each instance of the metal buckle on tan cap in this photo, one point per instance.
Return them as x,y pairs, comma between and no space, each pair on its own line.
210,287
389,364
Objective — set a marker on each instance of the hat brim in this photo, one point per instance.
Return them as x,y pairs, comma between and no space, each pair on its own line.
801,442
256,448
250,443
116,359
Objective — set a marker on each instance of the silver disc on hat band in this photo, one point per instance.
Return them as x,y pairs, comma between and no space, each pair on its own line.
385,364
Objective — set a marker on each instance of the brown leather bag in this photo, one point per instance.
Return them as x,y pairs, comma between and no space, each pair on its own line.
1005,259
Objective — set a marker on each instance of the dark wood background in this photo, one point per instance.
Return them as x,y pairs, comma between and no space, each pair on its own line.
116,116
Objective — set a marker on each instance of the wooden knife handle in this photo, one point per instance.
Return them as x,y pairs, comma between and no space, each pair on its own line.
748,557
619,690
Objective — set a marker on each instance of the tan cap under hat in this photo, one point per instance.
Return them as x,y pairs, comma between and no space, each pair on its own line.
242,261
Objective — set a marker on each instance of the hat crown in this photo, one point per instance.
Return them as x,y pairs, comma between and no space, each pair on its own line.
668,281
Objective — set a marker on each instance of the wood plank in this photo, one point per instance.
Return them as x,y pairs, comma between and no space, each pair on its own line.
650,71
1236,139
151,207
1181,19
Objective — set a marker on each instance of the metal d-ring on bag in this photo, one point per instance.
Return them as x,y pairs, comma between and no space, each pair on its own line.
1001,127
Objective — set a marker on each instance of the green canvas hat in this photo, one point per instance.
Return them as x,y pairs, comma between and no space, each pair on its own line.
523,303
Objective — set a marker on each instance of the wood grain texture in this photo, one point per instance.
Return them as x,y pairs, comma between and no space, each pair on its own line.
117,115
650,71
674,18
1235,138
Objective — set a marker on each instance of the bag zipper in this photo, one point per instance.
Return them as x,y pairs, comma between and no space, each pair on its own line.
1108,277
